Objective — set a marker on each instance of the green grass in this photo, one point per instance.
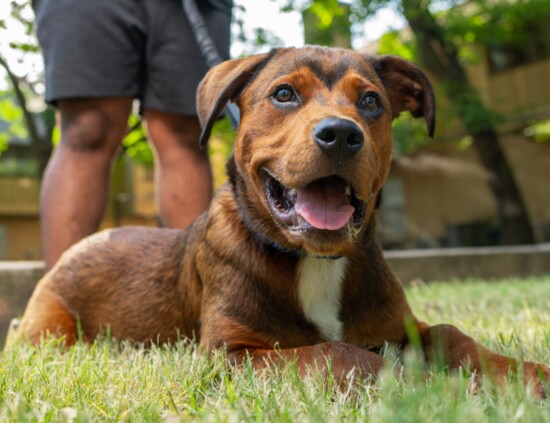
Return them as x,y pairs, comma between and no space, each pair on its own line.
178,383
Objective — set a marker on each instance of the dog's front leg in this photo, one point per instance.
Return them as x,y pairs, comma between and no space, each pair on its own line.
457,350
345,361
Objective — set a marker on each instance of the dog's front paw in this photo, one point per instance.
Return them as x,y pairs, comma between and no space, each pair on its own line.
537,376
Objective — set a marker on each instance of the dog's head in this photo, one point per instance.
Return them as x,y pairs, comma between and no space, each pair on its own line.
314,144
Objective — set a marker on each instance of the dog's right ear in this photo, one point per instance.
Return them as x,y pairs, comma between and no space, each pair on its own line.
408,87
221,84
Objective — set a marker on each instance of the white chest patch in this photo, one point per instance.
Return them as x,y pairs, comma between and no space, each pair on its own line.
319,287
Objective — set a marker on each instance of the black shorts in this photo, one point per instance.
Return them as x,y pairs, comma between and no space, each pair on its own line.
137,48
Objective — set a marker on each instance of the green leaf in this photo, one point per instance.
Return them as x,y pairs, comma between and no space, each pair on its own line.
56,135
25,47
392,43
326,10
9,111
135,143
4,138
540,131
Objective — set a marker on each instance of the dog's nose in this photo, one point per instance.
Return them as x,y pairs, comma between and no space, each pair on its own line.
341,138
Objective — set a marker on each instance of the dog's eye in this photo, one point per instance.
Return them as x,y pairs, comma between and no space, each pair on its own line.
370,103
284,94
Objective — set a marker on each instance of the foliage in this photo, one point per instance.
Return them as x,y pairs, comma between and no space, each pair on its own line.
220,147
327,11
263,38
497,22
392,43
540,131
35,126
259,40
408,134
12,117
107,382
135,142
22,24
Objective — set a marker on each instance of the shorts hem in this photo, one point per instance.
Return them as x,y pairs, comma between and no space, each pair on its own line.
64,92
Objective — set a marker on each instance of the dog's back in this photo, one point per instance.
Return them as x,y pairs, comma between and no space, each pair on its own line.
124,282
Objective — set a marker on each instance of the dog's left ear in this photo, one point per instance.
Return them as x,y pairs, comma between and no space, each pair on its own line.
408,87
221,84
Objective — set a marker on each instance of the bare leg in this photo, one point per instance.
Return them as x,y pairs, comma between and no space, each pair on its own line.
74,190
460,350
344,359
183,177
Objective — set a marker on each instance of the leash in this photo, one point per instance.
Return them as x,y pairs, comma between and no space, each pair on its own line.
208,49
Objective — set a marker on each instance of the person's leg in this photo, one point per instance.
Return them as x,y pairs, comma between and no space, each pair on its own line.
182,170
75,186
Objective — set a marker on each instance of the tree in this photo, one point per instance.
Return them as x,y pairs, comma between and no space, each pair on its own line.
441,56
40,141
39,126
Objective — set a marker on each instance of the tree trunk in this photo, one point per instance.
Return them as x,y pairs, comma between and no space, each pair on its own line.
441,59
40,144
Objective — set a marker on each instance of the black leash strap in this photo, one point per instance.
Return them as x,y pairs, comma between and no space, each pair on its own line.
208,49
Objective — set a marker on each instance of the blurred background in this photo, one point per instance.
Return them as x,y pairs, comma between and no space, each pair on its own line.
482,180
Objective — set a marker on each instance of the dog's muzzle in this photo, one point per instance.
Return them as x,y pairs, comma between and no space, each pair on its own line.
327,204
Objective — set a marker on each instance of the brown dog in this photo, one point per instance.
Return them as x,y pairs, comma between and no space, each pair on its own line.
285,264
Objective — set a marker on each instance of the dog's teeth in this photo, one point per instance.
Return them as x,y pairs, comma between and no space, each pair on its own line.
292,192
352,230
348,190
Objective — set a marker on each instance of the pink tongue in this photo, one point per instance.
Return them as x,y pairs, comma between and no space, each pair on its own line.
324,205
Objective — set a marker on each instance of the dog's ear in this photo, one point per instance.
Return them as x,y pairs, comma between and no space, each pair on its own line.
221,84
408,87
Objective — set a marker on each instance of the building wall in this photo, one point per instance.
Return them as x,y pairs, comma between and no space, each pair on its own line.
525,89
20,238
442,188
515,93
19,209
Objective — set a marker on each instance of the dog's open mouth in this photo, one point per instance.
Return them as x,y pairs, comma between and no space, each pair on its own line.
328,203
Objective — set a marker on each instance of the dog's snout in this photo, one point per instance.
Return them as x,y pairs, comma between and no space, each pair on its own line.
341,138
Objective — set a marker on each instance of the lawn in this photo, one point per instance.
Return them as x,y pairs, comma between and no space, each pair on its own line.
168,384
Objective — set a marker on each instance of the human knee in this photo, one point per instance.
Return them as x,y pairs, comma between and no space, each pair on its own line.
91,129
171,132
